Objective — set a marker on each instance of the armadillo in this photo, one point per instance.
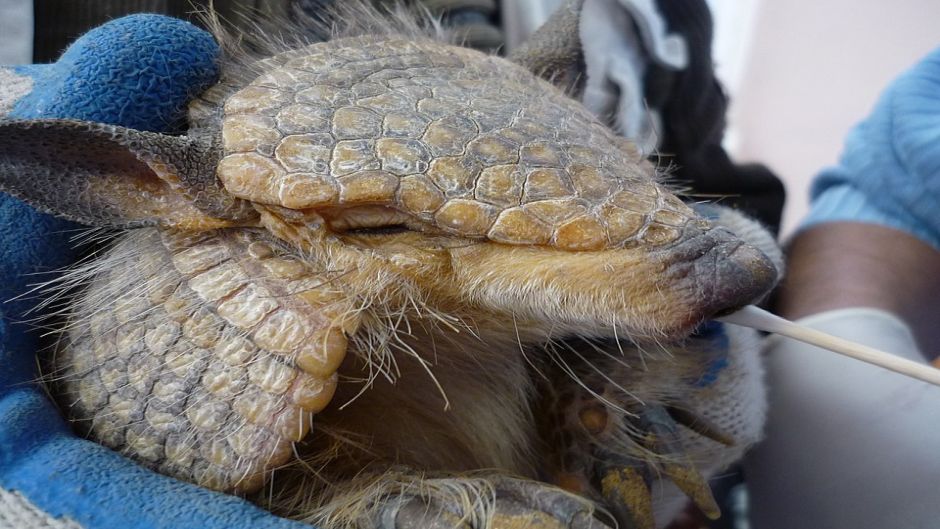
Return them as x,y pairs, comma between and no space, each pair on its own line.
476,292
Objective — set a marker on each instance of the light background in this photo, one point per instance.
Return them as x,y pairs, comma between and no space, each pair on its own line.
800,73
811,70
16,31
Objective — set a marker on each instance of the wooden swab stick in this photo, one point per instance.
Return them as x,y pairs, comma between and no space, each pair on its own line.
760,319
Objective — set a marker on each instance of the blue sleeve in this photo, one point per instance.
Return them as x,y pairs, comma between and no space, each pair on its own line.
889,171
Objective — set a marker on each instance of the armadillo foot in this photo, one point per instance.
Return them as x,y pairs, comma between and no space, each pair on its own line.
515,504
625,481
615,457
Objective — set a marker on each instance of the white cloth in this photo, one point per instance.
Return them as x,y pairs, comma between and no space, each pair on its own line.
620,38
16,512
848,445
12,88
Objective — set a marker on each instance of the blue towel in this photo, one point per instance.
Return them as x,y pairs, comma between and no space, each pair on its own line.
138,71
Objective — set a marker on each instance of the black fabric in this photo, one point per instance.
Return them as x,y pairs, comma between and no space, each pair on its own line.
476,21
693,107
59,22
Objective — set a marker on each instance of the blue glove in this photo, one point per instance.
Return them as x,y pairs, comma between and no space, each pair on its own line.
139,72
889,173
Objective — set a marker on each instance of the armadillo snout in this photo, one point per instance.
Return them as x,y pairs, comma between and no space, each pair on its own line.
744,276
726,272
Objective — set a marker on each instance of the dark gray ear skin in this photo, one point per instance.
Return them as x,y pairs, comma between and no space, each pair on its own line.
105,175
554,50
191,162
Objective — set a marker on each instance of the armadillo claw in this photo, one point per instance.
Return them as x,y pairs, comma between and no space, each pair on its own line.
595,459
699,425
663,439
626,491
625,481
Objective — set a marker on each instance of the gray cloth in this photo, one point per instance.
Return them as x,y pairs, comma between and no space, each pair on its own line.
848,444
16,32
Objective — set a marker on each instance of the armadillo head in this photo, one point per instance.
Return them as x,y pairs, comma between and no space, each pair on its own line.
481,185
542,211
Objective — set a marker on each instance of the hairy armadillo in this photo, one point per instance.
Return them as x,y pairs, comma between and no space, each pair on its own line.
453,269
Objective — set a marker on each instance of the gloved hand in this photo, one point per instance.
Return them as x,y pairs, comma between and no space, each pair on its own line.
139,72
730,394
849,444
889,172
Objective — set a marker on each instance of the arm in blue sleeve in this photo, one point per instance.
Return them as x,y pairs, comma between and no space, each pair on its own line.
889,171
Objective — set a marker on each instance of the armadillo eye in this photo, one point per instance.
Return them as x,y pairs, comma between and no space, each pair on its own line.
379,230
373,220
363,217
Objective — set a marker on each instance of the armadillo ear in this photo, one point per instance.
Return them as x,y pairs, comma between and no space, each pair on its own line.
104,175
554,50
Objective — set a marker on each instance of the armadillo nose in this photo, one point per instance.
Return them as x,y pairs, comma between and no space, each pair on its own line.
714,272
742,275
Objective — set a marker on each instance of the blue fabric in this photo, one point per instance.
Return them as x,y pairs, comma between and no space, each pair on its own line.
712,340
710,337
889,171
137,71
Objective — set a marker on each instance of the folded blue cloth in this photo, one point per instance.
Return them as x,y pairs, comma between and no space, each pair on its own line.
139,72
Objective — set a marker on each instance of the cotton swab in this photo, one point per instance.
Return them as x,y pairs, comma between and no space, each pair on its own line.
760,319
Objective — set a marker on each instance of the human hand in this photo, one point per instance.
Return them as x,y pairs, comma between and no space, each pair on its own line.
869,257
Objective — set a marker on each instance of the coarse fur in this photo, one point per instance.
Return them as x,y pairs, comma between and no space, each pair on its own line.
408,365
244,54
